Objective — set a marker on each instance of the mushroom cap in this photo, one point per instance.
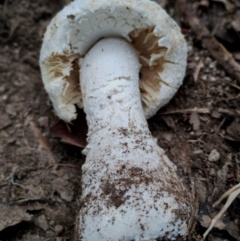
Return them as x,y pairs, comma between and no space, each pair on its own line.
74,30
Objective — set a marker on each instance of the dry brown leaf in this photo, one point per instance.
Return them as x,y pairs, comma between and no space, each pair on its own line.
41,139
75,133
12,215
5,121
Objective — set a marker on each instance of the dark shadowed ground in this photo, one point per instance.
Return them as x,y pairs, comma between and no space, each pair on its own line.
40,177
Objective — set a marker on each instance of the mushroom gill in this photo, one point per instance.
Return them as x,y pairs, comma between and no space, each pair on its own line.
66,67
151,57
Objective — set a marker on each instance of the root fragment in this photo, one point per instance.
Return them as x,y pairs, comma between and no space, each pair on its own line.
231,194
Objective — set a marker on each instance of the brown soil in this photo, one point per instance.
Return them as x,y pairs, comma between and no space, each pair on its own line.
199,129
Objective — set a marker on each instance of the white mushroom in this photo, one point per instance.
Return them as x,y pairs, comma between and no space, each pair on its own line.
131,57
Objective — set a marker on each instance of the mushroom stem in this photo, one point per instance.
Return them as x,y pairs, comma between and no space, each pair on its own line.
110,86
130,188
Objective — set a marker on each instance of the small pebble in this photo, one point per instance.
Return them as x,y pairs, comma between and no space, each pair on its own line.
214,156
42,222
58,229
43,121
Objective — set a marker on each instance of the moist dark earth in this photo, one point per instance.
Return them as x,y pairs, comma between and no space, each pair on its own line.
40,176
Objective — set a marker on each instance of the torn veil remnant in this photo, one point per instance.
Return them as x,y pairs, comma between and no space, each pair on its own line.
121,61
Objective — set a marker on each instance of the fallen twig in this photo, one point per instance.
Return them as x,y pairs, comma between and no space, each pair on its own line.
185,111
197,70
217,50
231,194
229,112
233,85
